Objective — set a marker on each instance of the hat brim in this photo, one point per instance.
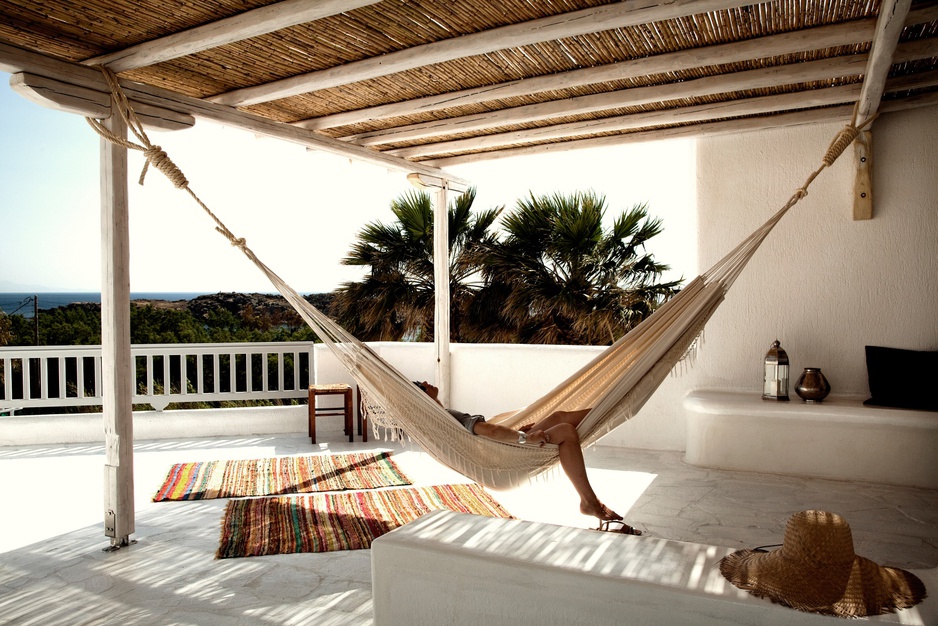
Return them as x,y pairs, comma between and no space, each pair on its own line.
862,590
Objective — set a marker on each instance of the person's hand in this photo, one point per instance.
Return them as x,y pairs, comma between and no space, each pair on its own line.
538,437
526,428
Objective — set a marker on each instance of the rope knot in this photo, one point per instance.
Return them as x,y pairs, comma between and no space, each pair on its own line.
843,139
161,161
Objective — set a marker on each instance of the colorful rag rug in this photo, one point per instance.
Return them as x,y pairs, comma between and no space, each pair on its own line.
280,475
338,521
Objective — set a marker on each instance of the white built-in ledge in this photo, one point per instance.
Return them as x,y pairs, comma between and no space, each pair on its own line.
454,568
839,438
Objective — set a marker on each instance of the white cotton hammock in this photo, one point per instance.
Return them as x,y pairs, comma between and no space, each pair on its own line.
614,385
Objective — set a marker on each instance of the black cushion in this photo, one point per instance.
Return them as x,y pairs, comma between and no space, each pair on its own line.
902,378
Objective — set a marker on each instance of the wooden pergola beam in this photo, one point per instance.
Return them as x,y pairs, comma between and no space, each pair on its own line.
60,96
15,60
819,38
585,21
249,24
889,25
761,105
710,129
823,69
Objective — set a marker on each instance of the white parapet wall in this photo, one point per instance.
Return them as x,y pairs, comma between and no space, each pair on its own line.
182,424
454,568
839,438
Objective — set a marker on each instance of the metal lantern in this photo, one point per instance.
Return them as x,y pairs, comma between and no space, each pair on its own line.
775,383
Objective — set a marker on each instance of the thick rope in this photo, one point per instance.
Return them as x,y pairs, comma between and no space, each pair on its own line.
155,155
837,147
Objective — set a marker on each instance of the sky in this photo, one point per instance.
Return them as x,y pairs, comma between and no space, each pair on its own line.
299,210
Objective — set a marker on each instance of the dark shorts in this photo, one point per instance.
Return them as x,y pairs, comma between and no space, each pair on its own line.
468,421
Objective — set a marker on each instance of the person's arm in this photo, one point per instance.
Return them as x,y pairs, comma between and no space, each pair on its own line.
501,433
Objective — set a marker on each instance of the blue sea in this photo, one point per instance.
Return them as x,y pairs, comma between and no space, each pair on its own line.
23,303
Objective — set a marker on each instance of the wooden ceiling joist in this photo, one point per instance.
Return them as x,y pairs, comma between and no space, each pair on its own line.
397,82
55,94
824,69
708,129
818,38
15,60
763,105
228,30
752,79
581,22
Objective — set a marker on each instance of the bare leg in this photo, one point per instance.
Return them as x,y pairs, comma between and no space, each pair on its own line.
561,417
564,434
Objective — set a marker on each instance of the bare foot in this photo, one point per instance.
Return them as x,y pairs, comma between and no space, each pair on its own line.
599,510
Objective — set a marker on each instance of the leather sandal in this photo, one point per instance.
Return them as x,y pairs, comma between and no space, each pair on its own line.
622,529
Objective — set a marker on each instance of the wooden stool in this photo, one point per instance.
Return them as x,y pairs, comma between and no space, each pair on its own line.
345,409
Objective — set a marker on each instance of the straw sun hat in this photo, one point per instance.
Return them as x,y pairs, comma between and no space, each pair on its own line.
816,570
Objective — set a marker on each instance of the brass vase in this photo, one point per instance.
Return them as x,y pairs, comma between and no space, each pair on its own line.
812,386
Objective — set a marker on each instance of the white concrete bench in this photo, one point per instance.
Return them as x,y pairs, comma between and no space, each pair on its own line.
840,438
454,568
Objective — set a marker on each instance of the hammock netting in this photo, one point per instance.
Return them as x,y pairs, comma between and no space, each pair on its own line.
614,385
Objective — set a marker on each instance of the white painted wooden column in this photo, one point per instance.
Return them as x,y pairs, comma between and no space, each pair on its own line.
117,365
441,280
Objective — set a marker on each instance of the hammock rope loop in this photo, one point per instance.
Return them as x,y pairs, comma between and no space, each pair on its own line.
843,139
161,161
155,155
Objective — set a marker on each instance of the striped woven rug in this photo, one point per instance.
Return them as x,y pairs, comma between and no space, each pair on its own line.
280,475
338,521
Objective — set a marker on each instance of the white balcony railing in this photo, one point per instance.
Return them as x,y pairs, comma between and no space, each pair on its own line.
63,376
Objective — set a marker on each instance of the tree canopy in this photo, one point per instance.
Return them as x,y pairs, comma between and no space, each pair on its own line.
396,298
555,276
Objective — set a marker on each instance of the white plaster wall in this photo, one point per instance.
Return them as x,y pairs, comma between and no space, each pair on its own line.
490,379
823,284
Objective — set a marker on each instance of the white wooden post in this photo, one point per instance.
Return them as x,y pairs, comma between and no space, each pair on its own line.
441,280
117,365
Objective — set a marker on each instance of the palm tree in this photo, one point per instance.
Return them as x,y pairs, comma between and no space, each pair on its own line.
396,298
559,277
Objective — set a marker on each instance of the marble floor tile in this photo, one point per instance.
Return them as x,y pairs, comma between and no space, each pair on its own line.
53,569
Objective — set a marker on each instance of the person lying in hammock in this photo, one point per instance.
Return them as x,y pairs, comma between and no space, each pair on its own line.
557,428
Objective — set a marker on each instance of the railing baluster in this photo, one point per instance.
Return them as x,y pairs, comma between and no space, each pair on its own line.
5,370
63,390
232,373
249,371
44,378
7,378
184,376
27,378
149,371
80,375
296,370
167,381
98,376
29,370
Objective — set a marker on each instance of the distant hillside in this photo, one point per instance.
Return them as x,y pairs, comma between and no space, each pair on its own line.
259,303
216,318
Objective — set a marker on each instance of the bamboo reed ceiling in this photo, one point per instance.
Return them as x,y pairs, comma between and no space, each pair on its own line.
461,81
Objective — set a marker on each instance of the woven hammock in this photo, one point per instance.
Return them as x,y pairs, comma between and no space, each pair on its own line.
614,385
